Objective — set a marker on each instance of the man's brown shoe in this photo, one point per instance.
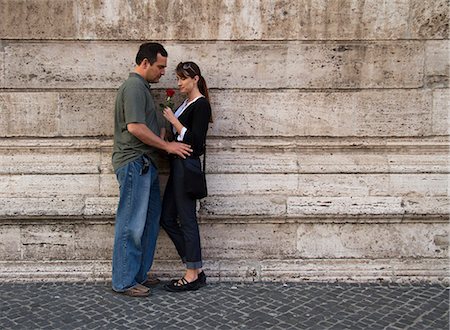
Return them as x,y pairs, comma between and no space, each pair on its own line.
136,291
151,281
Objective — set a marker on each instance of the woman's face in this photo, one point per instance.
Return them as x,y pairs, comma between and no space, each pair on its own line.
187,84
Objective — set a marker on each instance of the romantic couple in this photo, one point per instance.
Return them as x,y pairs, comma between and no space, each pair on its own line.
138,138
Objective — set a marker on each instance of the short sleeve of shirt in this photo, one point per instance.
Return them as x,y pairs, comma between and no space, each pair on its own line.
134,100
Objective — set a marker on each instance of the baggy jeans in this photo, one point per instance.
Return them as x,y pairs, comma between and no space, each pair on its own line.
137,223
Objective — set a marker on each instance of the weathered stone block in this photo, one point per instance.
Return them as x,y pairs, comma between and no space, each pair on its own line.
49,185
437,63
328,65
323,158
224,20
420,162
327,207
329,184
299,65
101,206
370,240
48,242
429,19
108,185
25,114
40,207
53,161
235,270
86,113
37,19
334,20
276,113
398,270
441,111
290,113
342,185
303,156
358,270
341,161
93,241
131,20
58,65
10,246
244,205
427,206
316,206
2,66
410,185
248,241
233,184
235,194
106,160
250,161
56,270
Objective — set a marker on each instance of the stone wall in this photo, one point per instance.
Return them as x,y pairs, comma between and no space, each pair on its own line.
327,159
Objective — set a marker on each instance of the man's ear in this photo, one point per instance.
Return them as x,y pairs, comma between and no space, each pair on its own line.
145,63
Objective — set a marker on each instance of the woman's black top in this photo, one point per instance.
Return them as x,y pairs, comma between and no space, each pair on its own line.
196,120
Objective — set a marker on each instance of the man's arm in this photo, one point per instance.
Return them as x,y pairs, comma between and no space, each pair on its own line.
143,133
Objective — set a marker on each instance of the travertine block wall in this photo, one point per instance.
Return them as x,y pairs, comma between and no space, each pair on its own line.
328,158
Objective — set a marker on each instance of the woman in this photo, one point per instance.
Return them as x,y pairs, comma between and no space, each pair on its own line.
178,218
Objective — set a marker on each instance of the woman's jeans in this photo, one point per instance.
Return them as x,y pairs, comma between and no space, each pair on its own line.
137,223
184,233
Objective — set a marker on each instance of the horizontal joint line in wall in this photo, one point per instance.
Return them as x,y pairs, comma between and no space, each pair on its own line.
231,219
214,89
172,41
166,172
372,149
330,219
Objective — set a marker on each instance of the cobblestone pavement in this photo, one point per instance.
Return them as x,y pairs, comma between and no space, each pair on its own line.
226,306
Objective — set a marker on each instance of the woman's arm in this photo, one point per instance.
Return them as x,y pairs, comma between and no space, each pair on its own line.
196,136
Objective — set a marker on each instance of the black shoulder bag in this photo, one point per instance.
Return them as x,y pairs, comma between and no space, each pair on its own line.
194,177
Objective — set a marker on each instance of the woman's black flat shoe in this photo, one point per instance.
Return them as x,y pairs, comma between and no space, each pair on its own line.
202,278
176,286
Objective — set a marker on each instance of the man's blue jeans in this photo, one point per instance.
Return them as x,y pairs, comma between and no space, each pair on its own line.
137,224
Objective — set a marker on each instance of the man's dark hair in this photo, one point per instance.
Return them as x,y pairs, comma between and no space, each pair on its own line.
150,50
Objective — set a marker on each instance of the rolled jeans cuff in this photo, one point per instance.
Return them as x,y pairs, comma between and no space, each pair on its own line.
193,265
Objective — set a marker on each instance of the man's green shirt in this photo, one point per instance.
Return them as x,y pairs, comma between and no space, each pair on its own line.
134,104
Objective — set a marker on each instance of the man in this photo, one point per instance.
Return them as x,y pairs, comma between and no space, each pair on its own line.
136,140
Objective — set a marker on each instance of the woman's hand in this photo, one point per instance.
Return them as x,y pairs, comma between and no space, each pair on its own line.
169,115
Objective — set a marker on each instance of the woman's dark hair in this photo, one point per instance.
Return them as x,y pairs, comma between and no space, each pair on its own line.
150,50
190,69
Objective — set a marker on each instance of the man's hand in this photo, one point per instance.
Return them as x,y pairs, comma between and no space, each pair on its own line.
179,149
144,134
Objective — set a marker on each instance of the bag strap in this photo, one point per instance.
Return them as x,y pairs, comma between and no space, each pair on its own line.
204,156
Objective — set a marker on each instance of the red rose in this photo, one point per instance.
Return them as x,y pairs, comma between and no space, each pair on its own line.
170,92
168,102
